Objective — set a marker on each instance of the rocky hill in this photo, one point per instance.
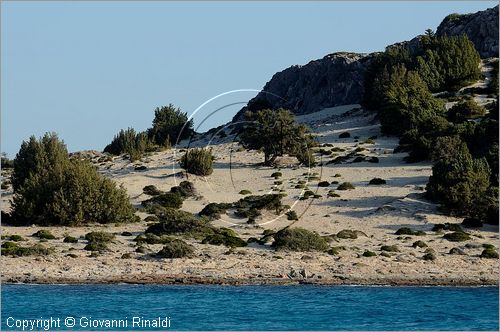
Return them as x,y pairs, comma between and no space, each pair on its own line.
337,79
480,27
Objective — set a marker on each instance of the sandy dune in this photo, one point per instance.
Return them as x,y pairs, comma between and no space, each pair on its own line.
378,211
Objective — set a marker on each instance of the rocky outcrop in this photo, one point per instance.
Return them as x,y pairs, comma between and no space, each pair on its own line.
336,79
480,27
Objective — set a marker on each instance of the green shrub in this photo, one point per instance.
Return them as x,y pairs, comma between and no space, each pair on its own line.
224,236
16,238
292,215
245,192
349,234
430,256
447,227
176,249
151,238
323,184
129,142
267,202
197,161
345,186
337,175
377,181
99,236
70,239
126,233
184,189
456,251
345,135
457,237
51,189
276,175
419,244
96,246
13,249
408,231
465,109
489,253
392,248
174,221
458,181
167,200
214,210
151,190
369,253
44,234
299,239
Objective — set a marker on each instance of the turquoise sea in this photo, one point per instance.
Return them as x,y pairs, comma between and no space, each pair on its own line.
248,307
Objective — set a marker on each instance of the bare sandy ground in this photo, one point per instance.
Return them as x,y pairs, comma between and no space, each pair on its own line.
378,211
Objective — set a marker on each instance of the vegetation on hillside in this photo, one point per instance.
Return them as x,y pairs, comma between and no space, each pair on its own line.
169,126
400,83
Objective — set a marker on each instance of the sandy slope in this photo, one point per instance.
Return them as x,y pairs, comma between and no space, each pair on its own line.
378,211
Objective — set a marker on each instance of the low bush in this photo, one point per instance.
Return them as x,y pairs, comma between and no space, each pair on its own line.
323,184
337,175
70,239
392,248
226,237
15,238
176,249
377,181
430,256
408,231
151,238
276,175
198,161
345,186
447,227
151,190
348,234
369,253
299,239
457,237
292,215
98,241
358,159
489,253
13,249
245,192
214,210
174,221
44,234
184,189
267,201
345,135
167,200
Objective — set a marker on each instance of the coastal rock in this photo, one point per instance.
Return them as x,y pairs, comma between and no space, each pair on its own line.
480,27
336,79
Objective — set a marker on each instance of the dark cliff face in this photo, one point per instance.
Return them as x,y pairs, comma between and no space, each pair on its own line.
336,79
480,27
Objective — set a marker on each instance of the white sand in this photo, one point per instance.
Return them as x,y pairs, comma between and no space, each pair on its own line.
378,211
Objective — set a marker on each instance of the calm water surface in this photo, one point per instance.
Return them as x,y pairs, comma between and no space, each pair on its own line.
257,307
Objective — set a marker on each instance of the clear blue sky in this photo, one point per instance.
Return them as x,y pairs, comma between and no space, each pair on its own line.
87,69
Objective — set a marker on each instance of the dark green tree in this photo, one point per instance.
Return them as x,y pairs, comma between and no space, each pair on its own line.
52,189
276,133
170,125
